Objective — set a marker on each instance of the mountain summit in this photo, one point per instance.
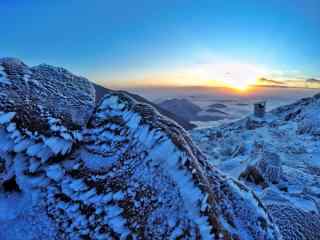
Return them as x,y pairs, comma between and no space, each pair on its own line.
73,169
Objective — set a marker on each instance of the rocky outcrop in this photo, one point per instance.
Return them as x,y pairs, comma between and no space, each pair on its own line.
130,173
44,93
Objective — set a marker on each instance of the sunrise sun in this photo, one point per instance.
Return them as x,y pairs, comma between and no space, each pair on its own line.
234,75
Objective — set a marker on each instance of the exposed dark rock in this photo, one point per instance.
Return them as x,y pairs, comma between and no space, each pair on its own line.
11,185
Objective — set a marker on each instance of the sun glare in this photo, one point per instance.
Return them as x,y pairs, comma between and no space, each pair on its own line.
235,75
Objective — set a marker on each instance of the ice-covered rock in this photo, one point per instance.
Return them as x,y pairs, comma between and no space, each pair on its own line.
37,94
144,178
43,110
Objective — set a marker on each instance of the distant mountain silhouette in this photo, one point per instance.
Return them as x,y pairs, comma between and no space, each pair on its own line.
187,110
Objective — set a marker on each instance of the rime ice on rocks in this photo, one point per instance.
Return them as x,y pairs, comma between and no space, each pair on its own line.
160,183
43,110
129,174
42,92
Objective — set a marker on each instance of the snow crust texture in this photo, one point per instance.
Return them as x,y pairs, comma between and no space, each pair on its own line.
129,173
295,223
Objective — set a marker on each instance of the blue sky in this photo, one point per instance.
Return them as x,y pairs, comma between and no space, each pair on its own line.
129,42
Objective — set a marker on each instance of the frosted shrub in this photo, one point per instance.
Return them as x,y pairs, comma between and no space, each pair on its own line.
266,170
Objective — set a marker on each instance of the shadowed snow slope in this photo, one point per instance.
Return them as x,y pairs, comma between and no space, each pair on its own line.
130,173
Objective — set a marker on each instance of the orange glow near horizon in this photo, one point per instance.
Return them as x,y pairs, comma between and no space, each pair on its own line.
234,75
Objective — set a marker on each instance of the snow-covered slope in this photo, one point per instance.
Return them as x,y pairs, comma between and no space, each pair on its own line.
278,157
129,173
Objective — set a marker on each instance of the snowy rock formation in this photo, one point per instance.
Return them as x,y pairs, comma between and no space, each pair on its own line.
127,173
43,93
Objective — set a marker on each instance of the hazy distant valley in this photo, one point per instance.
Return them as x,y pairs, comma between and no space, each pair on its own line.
219,105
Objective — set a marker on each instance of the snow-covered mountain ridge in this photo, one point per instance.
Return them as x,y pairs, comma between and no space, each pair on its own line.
114,170
278,157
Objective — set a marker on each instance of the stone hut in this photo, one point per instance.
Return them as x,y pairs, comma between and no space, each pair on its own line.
260,109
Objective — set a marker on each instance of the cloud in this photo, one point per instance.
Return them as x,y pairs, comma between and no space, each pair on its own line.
313,80
312,83
283,75
297,82
265,81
